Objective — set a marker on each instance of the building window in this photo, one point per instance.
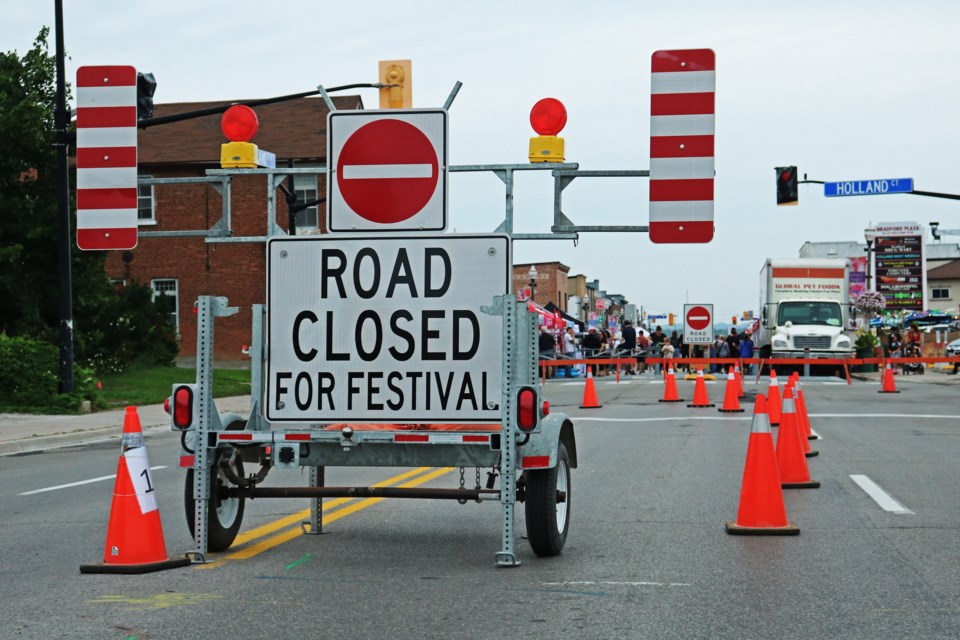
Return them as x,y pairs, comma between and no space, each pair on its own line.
165,293
940,294
145,201
305,188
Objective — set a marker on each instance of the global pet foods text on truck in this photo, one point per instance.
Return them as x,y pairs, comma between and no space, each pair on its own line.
804,304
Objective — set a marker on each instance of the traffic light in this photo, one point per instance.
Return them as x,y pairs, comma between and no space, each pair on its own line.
787,186
548,117
240,123
398,74
146,87
670,319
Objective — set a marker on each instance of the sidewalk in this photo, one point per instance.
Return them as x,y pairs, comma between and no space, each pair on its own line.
25,433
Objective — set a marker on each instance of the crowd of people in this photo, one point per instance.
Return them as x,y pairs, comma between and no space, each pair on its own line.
638,344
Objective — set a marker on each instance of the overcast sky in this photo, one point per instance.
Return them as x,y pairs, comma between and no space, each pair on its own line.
844,90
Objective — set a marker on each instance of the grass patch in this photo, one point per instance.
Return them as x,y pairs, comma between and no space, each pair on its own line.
152,385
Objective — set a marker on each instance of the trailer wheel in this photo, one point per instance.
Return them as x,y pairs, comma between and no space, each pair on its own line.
548,519
223,516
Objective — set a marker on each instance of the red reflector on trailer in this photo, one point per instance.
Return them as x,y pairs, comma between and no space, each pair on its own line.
236,436
405,437
546,408
536,462
186,462
296,436
476,438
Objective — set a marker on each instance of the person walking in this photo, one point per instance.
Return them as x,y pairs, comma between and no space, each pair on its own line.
643,343
569,349
628,343
548,349
746,351
591,345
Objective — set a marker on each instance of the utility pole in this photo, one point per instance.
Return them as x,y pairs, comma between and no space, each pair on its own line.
61,122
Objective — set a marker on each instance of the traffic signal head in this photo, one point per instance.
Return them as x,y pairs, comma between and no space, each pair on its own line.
398,75
548,117
670,319
787,186
146,87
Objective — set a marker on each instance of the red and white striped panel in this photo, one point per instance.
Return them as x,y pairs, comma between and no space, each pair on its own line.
106,158
683,86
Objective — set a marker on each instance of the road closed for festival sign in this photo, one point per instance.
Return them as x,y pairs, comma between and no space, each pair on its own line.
385,329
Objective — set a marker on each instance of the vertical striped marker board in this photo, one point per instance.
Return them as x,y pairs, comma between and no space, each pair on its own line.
683,86
106,157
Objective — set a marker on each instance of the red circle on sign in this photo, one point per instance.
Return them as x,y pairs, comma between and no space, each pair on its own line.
387,171
698,318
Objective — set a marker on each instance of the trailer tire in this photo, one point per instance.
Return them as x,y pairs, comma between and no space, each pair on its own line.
223,516
547,519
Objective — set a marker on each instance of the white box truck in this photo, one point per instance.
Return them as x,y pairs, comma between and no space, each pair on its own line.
804,309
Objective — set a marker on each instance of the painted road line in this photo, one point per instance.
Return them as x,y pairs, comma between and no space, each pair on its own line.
816,435
881,497
585,418
77,484
927,416
296,532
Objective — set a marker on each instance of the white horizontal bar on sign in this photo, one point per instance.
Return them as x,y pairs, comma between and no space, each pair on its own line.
681,211
375,171
681,168
683,82
106,96
107,137
106,219
109,178
693,125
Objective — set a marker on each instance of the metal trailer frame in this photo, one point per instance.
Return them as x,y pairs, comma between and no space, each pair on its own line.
310,446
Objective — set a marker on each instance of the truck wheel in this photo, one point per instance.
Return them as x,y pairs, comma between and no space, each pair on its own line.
223,516
548,519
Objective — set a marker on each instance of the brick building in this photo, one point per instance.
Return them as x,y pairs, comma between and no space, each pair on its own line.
180,269
551,282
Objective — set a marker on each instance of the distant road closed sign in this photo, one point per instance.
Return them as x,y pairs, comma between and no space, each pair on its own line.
385,329
698,323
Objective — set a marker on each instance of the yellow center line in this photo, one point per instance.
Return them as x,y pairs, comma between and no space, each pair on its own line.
290,534
298,517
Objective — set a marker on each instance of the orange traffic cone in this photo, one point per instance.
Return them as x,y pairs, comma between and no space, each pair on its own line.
134,534
774,405
590,393
736,371
731,401
804,441
761,511
794,473
670,393
700,398
803,418
889,386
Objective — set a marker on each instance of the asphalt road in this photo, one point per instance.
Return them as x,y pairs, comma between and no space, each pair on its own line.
647,555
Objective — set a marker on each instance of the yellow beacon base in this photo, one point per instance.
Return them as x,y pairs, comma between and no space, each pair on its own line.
546,149
238,155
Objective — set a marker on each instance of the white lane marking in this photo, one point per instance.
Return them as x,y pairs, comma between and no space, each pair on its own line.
664,419
816,435
627,583
883,415
77,484
881,497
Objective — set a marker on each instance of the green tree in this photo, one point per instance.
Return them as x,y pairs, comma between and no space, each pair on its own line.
29,280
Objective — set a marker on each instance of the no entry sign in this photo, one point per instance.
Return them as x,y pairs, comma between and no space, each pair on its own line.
387,170
385,329
698,323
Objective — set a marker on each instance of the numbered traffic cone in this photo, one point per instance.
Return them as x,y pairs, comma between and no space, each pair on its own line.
889,386
803,418
134,534
590,393
670,393
739,375
700,398
761,510
774,404
794,473
731,401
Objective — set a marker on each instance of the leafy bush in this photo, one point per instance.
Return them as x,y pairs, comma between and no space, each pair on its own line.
30,376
